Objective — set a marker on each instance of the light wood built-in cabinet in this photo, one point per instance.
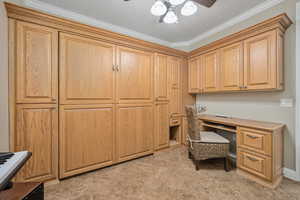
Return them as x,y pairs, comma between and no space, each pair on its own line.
161,125
161,72
250,60
87,138
36,63
37,132
134,131
174,65
87,73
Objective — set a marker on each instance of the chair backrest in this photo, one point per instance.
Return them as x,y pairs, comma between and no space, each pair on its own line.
193,123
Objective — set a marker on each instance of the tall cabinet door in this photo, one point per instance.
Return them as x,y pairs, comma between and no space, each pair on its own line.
86,138
174,65
195,79
37,132
161,77
87,73
161,125
36,63
260,65
231,67
135,73
210,64
135,130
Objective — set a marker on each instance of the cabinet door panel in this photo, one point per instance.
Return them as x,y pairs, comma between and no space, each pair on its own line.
210,64
161,125
231,67
135,130
86,70
161,77
195,84
86,138
36,67
37,132
174,65
135,76
260,65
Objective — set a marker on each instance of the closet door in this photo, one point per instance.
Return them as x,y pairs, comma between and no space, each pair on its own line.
37,132
86,138
210,64
134,76
87,73
195,79
260,65
231,67
36,63
161,125
174,65
135,130
161,77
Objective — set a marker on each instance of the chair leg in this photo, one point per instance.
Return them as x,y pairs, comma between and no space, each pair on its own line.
197,163
190,155
226,164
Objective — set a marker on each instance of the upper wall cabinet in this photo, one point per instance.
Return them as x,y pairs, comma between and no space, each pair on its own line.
87,72
231,67
161,77
195,79
250,60
260,62
210,64
174,65
36,63
135,74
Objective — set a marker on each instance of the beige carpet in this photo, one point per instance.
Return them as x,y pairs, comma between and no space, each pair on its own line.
168,175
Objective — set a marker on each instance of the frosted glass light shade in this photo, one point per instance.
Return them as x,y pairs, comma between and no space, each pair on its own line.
177,2
158,8
170,17
189,9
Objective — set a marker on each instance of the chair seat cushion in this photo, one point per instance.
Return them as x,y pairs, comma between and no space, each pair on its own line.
211,137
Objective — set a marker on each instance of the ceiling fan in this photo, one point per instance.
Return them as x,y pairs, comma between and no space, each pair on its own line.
166,8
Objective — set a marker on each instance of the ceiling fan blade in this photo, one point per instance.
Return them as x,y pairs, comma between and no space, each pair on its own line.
206,3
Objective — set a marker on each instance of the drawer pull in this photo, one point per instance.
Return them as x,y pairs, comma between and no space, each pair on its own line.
175,121
252,136
252,159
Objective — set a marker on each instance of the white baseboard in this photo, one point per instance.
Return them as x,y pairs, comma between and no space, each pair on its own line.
291,174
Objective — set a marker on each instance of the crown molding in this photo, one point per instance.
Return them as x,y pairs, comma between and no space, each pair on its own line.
236,20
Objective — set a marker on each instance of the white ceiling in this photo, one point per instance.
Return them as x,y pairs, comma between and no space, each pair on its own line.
134,17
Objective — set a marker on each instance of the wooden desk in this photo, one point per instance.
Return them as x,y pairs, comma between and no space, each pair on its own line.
259,146
21,191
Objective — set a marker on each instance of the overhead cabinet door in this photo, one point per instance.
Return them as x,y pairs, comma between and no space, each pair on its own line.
37,132
210,64
36,63
195,84
134,76
87,73
231,67
135,130
174,65
86,138
161,77
260,61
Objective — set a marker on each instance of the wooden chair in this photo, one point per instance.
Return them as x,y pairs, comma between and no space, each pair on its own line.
204,145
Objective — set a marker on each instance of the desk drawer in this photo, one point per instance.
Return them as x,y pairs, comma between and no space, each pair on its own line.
255,140
257,165
175,121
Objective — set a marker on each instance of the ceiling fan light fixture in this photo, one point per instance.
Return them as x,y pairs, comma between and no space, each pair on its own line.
158,8
189,9
170,17
176,2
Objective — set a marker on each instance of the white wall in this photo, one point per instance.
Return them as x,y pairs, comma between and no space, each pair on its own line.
262,105
4,141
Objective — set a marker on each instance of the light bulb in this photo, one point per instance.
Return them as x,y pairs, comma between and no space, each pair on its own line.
170,17
159,8
176,2
189,9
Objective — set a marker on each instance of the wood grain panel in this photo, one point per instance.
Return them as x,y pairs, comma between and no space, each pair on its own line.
174,65
86,138
135,76
195,75
161,125
37,132
210,64
231,67
87,73
135,131
161,77
36,66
